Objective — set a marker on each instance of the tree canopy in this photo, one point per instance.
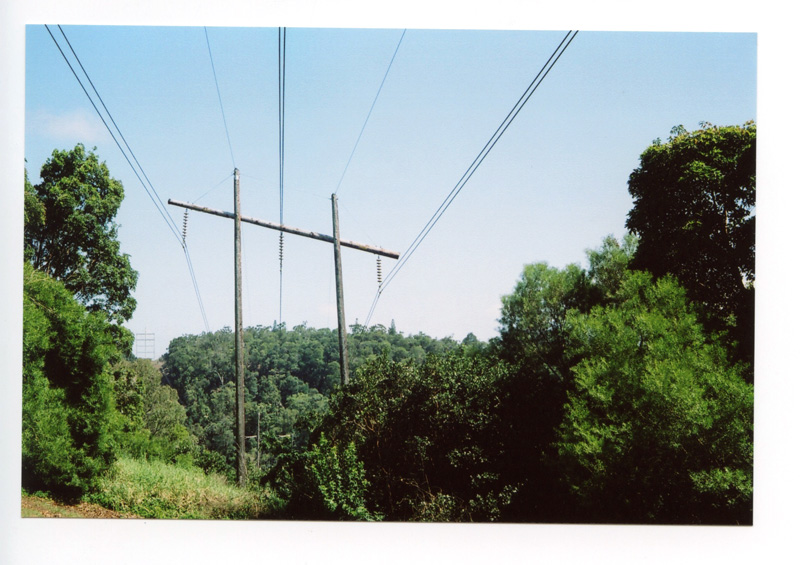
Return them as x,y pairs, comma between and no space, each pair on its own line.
659,425
70,232
620,392
603,400
694,213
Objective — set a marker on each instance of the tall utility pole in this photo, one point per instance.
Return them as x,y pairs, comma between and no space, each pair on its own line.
236,216
313,235
337,260
241,465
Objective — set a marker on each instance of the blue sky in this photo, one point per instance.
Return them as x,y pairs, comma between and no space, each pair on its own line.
553,186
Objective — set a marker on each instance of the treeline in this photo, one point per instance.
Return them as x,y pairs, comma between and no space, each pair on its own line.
289,377
618,392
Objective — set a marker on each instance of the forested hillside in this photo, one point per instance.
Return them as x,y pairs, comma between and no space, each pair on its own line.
619,391
290,375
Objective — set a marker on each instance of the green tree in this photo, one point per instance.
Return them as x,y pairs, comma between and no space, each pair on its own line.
532,317
289,375
152,421
70,233
609,265
534,341
659,426
693,210
427,436
68,407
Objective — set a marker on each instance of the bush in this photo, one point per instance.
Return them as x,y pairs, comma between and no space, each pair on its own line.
659,428
427,436
322,483
68,411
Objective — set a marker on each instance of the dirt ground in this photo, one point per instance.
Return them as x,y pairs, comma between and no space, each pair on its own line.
36,507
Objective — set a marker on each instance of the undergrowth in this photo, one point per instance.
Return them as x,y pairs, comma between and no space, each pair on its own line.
153,489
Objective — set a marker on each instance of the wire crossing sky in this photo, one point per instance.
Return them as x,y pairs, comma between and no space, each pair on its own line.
219,96
281,153
151,191
371,108
553,186
472,168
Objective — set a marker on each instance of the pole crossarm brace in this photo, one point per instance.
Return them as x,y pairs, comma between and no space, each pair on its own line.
288,229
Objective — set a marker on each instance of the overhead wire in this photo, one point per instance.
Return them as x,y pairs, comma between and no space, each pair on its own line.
212,189
281,110
386,74
281,153
151,191
526,95
153,195
219,96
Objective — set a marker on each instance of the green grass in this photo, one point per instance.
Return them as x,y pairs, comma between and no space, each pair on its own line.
153,489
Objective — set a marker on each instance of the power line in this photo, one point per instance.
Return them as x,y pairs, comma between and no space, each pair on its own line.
386,74
540,76
219,96
154,194
212,189
281,111
281,152
482,155
196,288
157,201
167,218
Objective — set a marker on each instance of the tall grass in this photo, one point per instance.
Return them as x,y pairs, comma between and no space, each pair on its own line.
153,489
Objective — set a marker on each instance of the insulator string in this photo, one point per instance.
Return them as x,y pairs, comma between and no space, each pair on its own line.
185,223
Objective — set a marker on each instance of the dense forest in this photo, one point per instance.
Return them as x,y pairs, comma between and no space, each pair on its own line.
616,392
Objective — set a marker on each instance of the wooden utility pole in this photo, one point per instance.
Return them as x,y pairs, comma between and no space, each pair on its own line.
236,216
337,260
241,465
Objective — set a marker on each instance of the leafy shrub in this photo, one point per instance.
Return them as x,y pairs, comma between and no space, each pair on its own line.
427,435
660,425
321,483
68,411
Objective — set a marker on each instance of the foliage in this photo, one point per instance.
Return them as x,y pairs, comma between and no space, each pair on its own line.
532,319
604,399
70,234
68,411
325,482
619,406
694,200
155,489
152,423
534,340
288,377
609,264
339,478
426,435
659,426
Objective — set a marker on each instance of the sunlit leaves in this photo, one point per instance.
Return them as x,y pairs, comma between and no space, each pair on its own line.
70,232
657,412
694,212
